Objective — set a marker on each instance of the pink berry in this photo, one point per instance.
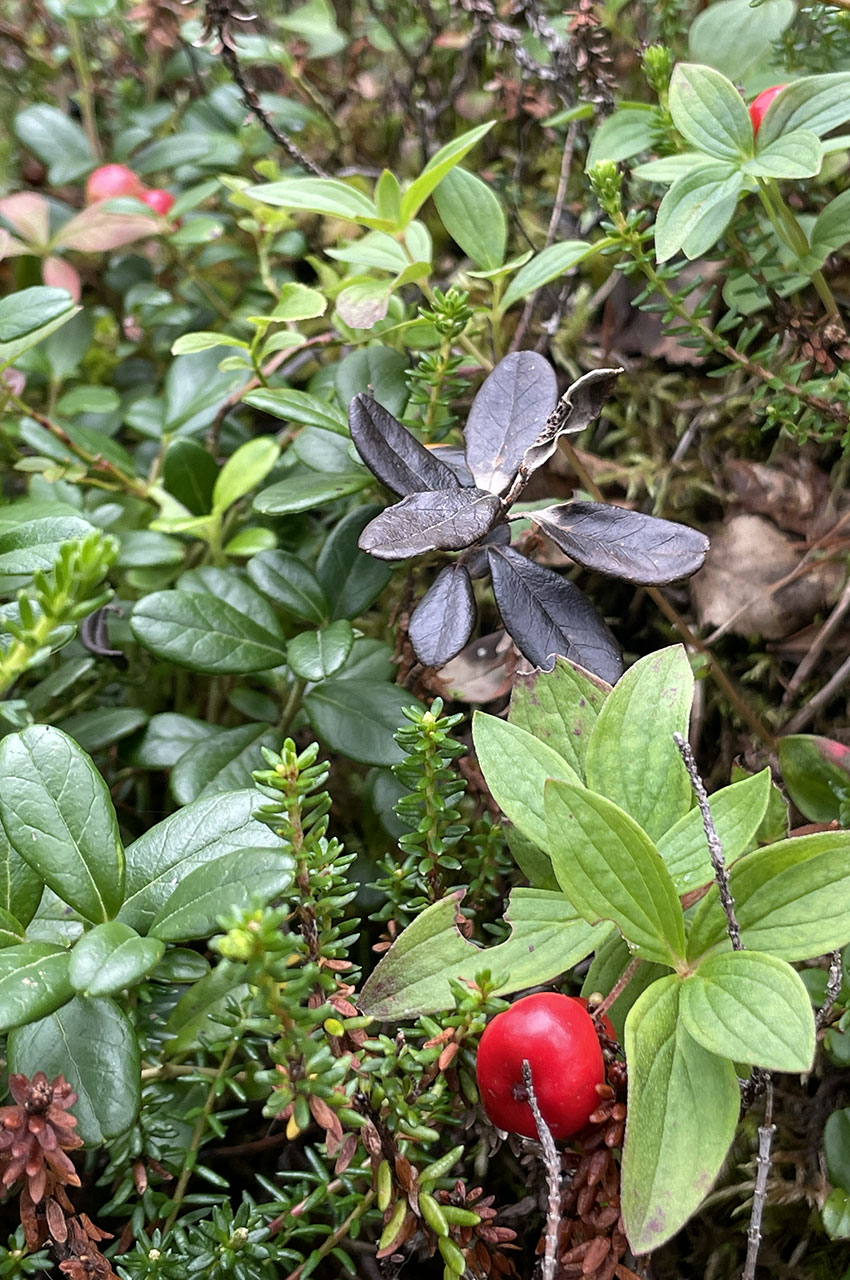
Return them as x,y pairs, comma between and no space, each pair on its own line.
112,180
160,200
759,105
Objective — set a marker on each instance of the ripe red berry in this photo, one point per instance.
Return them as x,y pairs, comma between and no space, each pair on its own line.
556,1035
759,105
160,200
112,180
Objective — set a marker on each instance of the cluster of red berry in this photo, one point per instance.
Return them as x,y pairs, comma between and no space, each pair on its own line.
112,180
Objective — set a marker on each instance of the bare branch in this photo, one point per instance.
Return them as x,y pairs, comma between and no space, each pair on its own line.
766,1132
552,1161
833,988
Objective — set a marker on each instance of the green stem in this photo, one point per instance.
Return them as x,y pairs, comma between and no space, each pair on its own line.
198,1135
85,80
291,706
791,233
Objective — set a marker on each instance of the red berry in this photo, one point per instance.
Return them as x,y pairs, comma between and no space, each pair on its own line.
556,1035
759,105
160,200
112,180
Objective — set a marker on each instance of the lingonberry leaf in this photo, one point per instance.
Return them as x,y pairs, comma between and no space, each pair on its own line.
507,415
445,519
394,455
576,409
548,615
442,622
627,544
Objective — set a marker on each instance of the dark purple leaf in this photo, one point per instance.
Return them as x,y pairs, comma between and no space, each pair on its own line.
576,409
626,544
445,519
476,558
394,455
548,615
507,416
442,622
455,459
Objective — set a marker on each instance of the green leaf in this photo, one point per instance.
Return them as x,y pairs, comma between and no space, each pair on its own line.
202,1009
709,112
12,351
33,982
143,548
298,406
168,737
20,885
306,490
244,470
12,931
610,870
440,164
223,764
631,757
817,103
751,1008
197,834
733,36
832,227
57,140
317,195
793,155
516,766
547,938
35,544
28,310
388,197
58,816
236,882
792,900
737,811
699,204
189,473
359,718
624,134
363,303
683,1112
203,340
559,708
350,579
315,655
91,1043
836,1214
836,1147
110,958
298,302
290,584
816,772
473,216
669,168
100,727
195,630
375,249
545,266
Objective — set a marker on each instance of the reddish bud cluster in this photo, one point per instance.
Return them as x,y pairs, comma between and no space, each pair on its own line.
112,180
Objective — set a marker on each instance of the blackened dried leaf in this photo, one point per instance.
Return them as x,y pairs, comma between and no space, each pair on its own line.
445,519
442,622
392,454
455,459
507,415
576,409
548,615
642,549
476,559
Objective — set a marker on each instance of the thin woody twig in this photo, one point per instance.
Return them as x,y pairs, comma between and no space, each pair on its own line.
715,847
820,699
766,1132
553,1176
833,989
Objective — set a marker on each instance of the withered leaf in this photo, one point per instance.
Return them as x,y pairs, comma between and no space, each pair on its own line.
548,615
392,454
507,416
576,409
639,548
442,622
444,519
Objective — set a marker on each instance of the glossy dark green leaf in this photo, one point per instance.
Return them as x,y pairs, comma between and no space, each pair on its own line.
168,736
625,544
316,655
610,870
307,489
359,718
93,1045
102,726
189,473
199,833
110,958
224,763
442,622
559,707
12,932
33,982
238,881
441,519
377,371
507,416
289,583
547,616
231,586
683,1112
58,816
20,884
298,406
351,579
35,544
392,453
200,1011
57,140
23,312
836,1147
195,630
